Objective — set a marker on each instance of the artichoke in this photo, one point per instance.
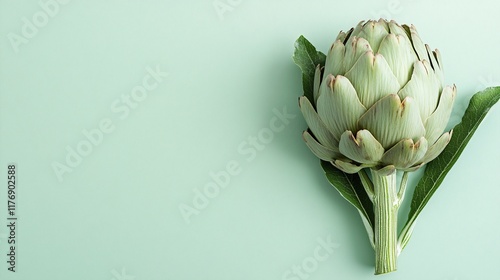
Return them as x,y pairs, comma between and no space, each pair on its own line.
379,104
379,101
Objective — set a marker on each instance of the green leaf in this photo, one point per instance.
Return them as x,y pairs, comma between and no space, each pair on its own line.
437,169
307,58
350,187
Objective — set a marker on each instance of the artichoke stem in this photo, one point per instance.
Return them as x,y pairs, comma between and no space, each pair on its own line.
385,203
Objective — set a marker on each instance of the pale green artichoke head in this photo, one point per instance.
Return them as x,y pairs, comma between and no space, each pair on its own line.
379,101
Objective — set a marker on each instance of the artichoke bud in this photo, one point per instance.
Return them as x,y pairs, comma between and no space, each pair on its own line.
379,101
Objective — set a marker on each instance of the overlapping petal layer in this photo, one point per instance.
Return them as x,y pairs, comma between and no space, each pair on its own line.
379,101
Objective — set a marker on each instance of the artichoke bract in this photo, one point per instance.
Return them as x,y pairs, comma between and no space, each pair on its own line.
379,101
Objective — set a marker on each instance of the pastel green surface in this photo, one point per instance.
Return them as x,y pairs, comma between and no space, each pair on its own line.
201,96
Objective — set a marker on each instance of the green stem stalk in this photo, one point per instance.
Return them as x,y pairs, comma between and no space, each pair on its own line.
367,183
385,203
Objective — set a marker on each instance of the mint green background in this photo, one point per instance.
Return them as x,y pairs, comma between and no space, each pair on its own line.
119,209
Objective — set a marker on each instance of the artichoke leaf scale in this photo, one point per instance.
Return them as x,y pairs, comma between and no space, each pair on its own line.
348,167
319,150
316,125
417,43
391,120
359,46
434,125
374,33
397,29
362,147
338,105
372,78
406,153
334,58
316,83
436,149
397,51
423,88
